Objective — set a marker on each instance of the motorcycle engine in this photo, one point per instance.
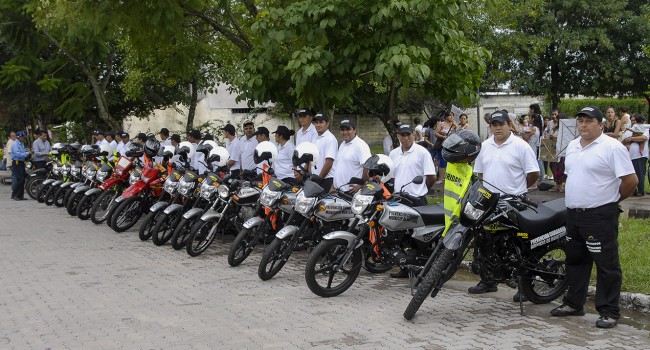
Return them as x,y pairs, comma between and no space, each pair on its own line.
496,260
246,213
397,256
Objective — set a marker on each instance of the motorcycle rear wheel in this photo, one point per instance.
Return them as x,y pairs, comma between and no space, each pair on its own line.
323,266
371,263
544,288
429,282
127,214
101,206
34,186
272,260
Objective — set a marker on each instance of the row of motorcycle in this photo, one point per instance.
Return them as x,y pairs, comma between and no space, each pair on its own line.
514,240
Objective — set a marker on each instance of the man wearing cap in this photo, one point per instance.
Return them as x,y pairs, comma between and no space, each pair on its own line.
635,138
599,176
175,140
307,131
101,140
120,143
164,137
327,148
353,152
233,145
124,140
198,159
41,149
283,164
262,134
411,160
19,155
508,165
248,143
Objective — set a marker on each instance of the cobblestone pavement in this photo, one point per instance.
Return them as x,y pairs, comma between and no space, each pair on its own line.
67,284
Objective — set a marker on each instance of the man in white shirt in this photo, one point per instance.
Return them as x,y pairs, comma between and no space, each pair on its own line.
248,142
262,134
233,146
327,149
507,165
198,159
164,137
411,160
307,131
120,143
110,138
124,140
100,137
599,176
353,152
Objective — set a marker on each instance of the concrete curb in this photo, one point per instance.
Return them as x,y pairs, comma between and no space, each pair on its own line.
629,301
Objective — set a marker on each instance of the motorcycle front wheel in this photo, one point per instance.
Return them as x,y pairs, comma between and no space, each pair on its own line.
85,205
202,235
244,244
546,280
148,226
127,214
40,196
273,259
164,228
182,233
73,202
101,206
69,191
324,274
431,281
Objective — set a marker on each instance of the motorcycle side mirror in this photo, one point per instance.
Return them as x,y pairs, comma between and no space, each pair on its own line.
418,180
356,181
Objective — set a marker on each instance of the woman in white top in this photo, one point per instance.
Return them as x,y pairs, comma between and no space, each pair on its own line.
463,121
282,165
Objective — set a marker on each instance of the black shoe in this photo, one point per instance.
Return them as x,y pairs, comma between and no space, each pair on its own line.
606,322
403,273
639,194
23,199
519,296
566,310
481,288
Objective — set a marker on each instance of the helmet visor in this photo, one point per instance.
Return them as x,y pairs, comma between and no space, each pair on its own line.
452,141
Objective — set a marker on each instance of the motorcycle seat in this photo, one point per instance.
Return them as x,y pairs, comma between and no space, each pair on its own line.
431,214
549,216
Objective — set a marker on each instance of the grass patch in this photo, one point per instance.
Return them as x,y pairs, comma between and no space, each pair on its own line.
634,252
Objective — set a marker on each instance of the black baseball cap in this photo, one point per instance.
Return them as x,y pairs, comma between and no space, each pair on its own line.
591,112
305,111
99,132
499,116
284,131
248,122
322,116
405,128
262,131
348,123
124,134
229,128
142,137
164,131
195,134
176,137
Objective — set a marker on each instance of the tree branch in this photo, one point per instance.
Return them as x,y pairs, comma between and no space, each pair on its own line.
235,23
250,6
242,45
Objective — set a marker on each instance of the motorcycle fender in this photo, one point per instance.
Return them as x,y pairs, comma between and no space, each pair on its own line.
287,231
343,235
81,189
455,236
211,215
173,208
252,222
192,213
49,181
110,182
92,191
58,183
37,172
158,206
134,189
76,184
67,184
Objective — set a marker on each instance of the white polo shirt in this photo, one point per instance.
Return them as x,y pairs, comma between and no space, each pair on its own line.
507,165
166,142
234,148
102,142
407,165
247,149
349,161
282,165
198,161
113,145
120,146
327,148
593,172
634,148
308,135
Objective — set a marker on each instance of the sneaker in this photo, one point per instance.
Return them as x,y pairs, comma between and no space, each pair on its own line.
606,322
566,310
481,288
519,296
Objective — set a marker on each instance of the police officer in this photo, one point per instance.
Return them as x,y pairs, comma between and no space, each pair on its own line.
262,134
307,131
248,142
327,148
19,155
353,152
412,160
233,145
600,175
164,137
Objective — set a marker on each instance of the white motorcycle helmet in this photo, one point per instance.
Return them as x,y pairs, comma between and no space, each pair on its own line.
265,150
106,150
380,165
167,151
186,149
219,155
304,153
206,146
56,147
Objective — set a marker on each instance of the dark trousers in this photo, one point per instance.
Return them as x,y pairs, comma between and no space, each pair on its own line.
592,237
640,169
17,179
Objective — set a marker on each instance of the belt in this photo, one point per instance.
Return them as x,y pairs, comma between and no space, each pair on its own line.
582,210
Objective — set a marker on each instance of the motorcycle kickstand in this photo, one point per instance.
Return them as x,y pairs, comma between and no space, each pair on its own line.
521,297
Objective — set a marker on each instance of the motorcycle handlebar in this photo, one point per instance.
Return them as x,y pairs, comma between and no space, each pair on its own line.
528,201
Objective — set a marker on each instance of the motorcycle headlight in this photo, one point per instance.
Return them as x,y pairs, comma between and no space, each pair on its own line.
90,174
185,188
65,170
170,186
360,203
471,212
268,197
56,170
303,203
75,171
223,191
102,175
207,190
133,178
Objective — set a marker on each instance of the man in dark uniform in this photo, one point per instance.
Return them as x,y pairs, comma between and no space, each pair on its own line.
19,155
594,161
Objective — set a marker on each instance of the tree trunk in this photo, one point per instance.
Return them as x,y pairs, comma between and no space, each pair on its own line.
390,113
192,107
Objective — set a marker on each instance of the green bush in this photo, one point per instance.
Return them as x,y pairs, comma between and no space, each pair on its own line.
634,105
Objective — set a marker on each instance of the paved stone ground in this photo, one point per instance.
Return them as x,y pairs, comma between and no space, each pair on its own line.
67,284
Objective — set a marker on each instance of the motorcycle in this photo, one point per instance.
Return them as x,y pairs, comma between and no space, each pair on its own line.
394,233
56,193
92,192
516,242
93,169
37,177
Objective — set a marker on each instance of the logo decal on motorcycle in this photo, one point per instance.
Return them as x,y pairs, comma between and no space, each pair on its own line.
370,186
548,237
277,183
523,235
485,193
405,217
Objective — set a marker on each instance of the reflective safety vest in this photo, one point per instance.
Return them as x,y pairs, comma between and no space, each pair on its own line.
457,182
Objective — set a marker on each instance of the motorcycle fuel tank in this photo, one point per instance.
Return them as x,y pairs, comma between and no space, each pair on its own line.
396,216
333,209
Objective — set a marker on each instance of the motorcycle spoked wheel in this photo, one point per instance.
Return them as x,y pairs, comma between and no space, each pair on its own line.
202,235
85,205
244,243
127,214
101,207
432,279
182,233
546,280
34,186
147,228
164,228
40,196
73,202
274,257
322,269
59,196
